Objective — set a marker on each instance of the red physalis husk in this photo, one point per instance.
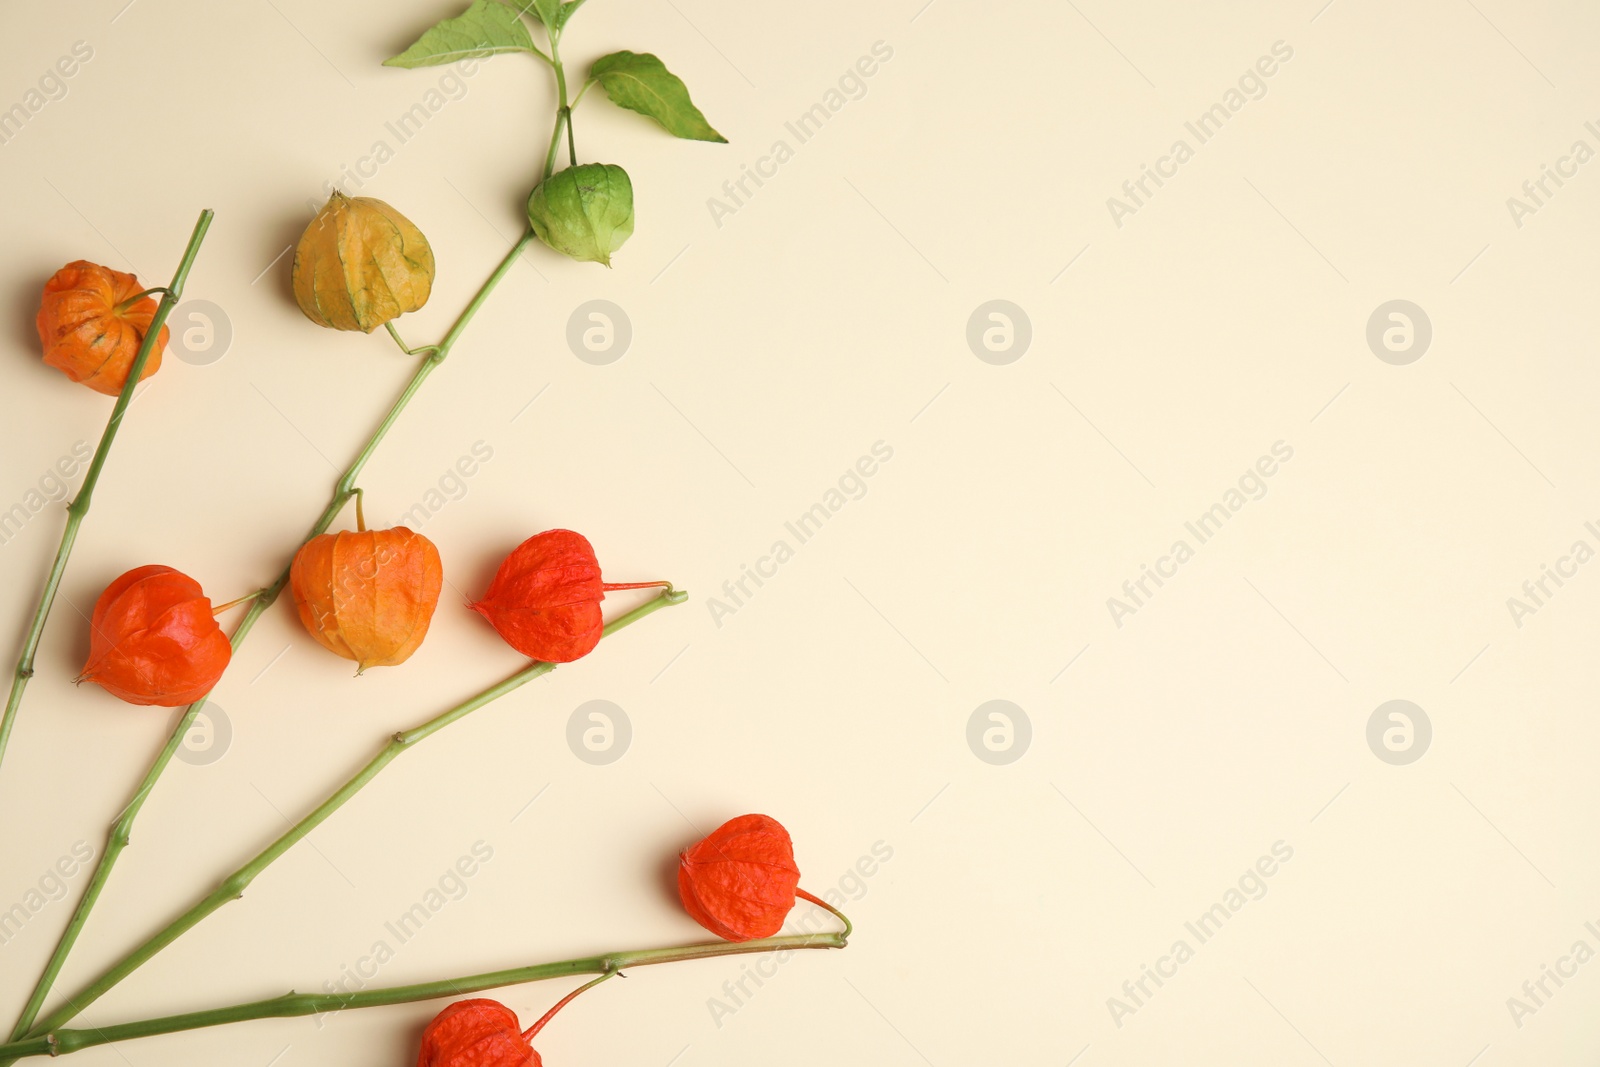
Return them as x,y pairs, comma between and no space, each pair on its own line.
545,598
476,1033
486,1033
740,882
153,639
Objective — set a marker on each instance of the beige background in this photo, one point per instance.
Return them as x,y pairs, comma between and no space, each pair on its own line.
769,353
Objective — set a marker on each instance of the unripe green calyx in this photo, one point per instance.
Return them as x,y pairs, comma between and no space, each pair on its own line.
585,212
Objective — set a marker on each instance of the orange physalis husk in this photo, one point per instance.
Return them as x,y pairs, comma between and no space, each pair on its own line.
153,639
367,596
545,598
740,881
86,332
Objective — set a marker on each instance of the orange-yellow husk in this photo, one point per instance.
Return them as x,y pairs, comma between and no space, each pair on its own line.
367,596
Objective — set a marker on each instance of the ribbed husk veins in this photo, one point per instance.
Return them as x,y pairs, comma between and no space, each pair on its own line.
739,881
475,1033
545,597
153,640
85,332
359,264
585,212
367,596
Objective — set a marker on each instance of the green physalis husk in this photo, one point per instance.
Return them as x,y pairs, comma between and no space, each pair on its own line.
585,212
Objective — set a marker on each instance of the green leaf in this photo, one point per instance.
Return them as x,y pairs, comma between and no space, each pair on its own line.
487,28
549,12
567,10
640,82
546,11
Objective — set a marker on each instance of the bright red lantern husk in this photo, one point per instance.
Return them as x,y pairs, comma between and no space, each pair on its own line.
153,639
740,882
486,1033
545,598
476,1033
91,325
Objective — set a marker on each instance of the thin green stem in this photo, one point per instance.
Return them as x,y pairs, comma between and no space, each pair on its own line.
122,828
563,109
533,1031
233,886
407,349
471,310
825,906
555,143
290,1005
235,602
80,504
136,297
579,98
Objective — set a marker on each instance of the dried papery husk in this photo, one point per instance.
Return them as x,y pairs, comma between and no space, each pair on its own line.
740,880
360,264
91,327
369,595
154,641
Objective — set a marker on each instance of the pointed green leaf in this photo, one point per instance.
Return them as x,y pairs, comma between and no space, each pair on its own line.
567,10
640,82
487,28
549,12
546,11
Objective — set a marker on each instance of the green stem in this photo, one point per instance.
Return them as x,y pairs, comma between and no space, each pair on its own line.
555,144
136,297
825,906
235,602
533,1031
563,109
233,886
80,504
122,828
407,349
60,1042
